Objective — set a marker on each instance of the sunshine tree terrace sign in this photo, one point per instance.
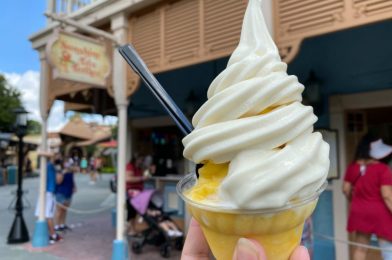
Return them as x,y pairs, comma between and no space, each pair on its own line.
78,58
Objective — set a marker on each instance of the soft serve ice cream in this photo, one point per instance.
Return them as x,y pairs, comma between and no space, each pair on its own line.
253,135
264,167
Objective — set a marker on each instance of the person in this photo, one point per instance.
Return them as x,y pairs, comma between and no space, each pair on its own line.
97,170
58,161
134,185
196,247
64,191
148,166
50,198
165,223
29,167
368,186
93,177
83,165
75,158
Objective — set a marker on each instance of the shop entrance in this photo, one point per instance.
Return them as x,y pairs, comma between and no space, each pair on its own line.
164,146
353,115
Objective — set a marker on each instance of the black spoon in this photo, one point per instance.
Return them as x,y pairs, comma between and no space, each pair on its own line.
135,61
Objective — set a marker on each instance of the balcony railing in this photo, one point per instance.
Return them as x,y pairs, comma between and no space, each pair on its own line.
66,7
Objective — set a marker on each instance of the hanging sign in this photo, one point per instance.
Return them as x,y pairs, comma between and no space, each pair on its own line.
79,58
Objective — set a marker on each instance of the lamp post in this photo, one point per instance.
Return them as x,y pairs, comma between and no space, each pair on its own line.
19,232
312,94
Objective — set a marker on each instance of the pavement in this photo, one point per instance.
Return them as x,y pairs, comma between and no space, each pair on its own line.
92,233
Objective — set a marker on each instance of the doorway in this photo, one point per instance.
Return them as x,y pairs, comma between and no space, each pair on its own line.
353,115
376,121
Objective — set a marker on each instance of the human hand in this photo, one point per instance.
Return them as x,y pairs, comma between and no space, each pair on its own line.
196,247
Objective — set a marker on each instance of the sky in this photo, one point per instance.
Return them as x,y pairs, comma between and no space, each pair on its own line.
19,62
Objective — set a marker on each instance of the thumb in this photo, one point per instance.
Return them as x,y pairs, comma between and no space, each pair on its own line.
248,249
300,253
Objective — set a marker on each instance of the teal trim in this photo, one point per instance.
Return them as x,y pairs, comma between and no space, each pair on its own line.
347,61
11,174
178,83
1,177
170,192
41,234
323,223
350,61
120,250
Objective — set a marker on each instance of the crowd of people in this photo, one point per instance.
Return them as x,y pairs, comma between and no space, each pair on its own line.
60,186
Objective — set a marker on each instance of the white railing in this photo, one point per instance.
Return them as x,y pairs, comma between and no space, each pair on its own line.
66,7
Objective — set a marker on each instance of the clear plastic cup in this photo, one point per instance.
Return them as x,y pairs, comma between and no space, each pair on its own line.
278,230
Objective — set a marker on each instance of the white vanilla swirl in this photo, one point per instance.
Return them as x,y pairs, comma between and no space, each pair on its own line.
253,119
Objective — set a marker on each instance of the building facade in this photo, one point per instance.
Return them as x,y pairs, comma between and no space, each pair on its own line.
343,44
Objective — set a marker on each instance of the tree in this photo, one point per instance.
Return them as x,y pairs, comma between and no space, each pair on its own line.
9,100
114,132
33,127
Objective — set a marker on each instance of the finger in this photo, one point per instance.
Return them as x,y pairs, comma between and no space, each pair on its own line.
196,247
300,253
248,249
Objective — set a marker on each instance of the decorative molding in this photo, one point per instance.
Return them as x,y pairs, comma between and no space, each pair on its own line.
366,8
76,107
289,50
296,20
132,84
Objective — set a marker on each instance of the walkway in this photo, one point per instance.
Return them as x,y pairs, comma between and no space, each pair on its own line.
92,234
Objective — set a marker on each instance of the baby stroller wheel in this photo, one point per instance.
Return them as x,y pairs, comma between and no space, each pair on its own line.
165,250
179,243
136,247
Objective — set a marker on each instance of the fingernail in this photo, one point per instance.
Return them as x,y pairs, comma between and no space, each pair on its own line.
246,250
302,253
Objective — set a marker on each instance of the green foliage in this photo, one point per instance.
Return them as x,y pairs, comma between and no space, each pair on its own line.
108,170
91,150
33,127
115,132
9,100
75,116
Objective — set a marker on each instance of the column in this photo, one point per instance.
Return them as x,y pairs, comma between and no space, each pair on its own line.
339,201
69,6
41,233
50,8
119,26
130,136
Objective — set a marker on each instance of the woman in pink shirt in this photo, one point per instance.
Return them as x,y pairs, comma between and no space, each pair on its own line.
368,186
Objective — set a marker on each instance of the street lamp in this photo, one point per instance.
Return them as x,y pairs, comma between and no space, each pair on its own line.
19,232
312,94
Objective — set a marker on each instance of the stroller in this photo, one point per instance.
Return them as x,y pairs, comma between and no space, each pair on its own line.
161,231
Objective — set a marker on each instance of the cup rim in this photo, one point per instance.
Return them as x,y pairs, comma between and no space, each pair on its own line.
289,205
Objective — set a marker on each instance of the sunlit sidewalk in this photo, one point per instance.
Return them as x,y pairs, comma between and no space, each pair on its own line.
92,234
93,240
